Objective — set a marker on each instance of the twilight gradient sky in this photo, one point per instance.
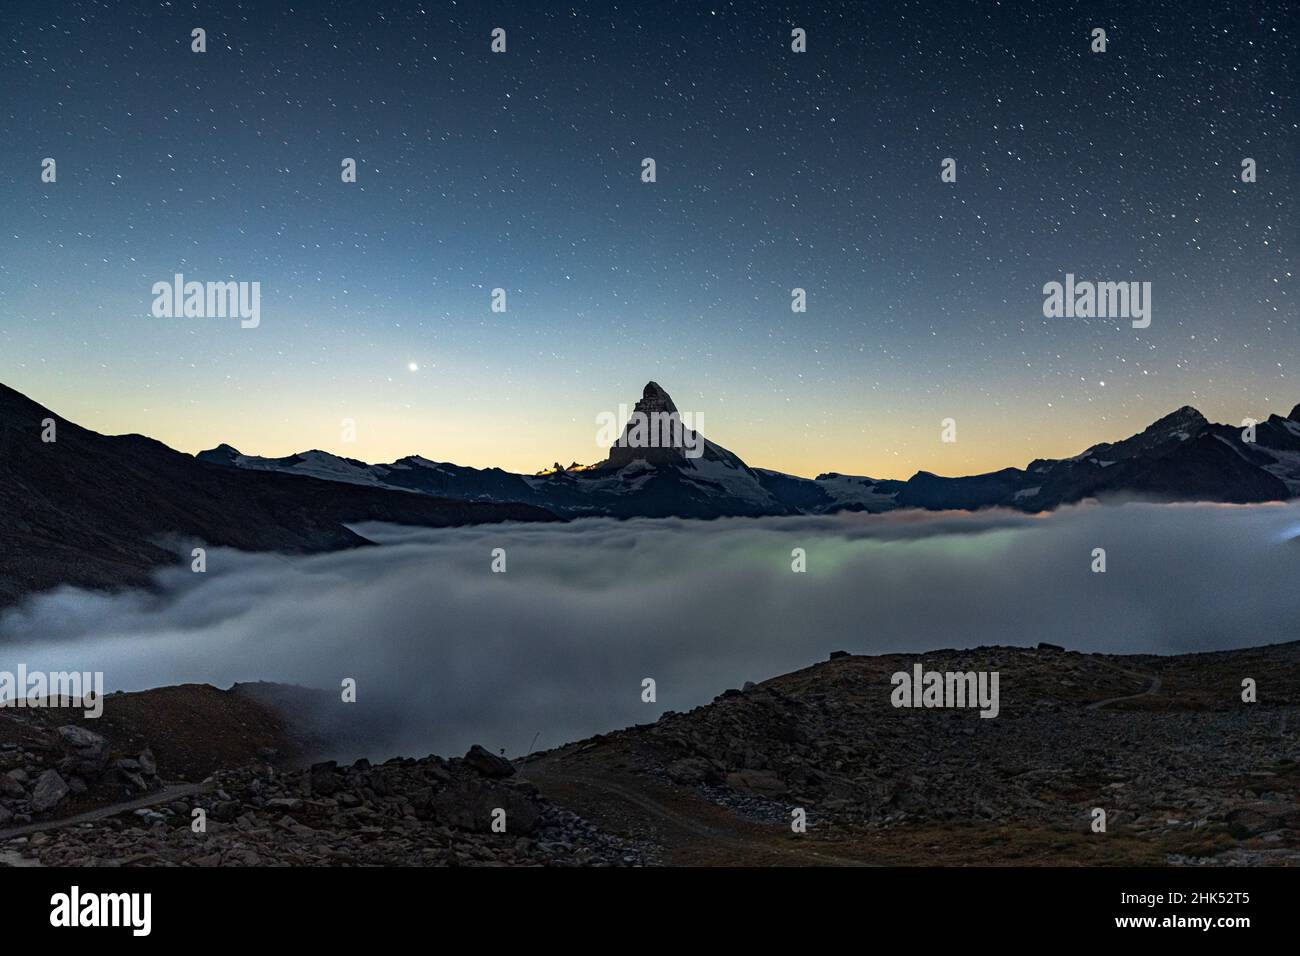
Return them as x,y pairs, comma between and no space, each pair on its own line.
775,170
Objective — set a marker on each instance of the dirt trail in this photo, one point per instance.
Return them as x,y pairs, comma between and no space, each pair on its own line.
165,795
1153,688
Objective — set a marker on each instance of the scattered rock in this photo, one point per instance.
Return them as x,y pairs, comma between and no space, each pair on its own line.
402,812
9,785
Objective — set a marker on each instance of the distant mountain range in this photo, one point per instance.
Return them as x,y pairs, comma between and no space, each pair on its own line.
1180,457
99,511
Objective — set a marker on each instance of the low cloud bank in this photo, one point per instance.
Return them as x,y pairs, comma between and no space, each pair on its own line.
446,653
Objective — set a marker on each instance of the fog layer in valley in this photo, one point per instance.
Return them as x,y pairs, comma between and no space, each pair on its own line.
446,653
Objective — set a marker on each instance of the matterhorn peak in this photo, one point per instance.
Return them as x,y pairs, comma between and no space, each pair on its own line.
655,399
654,433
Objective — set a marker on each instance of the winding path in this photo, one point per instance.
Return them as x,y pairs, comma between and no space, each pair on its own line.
1152,689
165,795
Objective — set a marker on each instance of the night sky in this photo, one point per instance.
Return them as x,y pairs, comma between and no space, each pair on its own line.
775,170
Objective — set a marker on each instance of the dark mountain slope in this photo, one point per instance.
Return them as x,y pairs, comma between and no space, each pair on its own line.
1180,457
103,511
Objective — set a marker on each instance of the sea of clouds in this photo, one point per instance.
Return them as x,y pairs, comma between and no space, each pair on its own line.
446,653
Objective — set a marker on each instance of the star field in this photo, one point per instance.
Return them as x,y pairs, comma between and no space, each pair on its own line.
775,170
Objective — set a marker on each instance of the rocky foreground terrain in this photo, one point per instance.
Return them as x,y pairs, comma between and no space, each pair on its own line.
72,795
1187,772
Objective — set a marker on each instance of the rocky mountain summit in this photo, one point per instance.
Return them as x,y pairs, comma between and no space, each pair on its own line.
654,405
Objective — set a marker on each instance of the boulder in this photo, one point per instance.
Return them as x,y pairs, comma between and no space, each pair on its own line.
49,792
225,810
148,763
9,785
488,763
325,779
761,782
692,771
87,751
79,738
